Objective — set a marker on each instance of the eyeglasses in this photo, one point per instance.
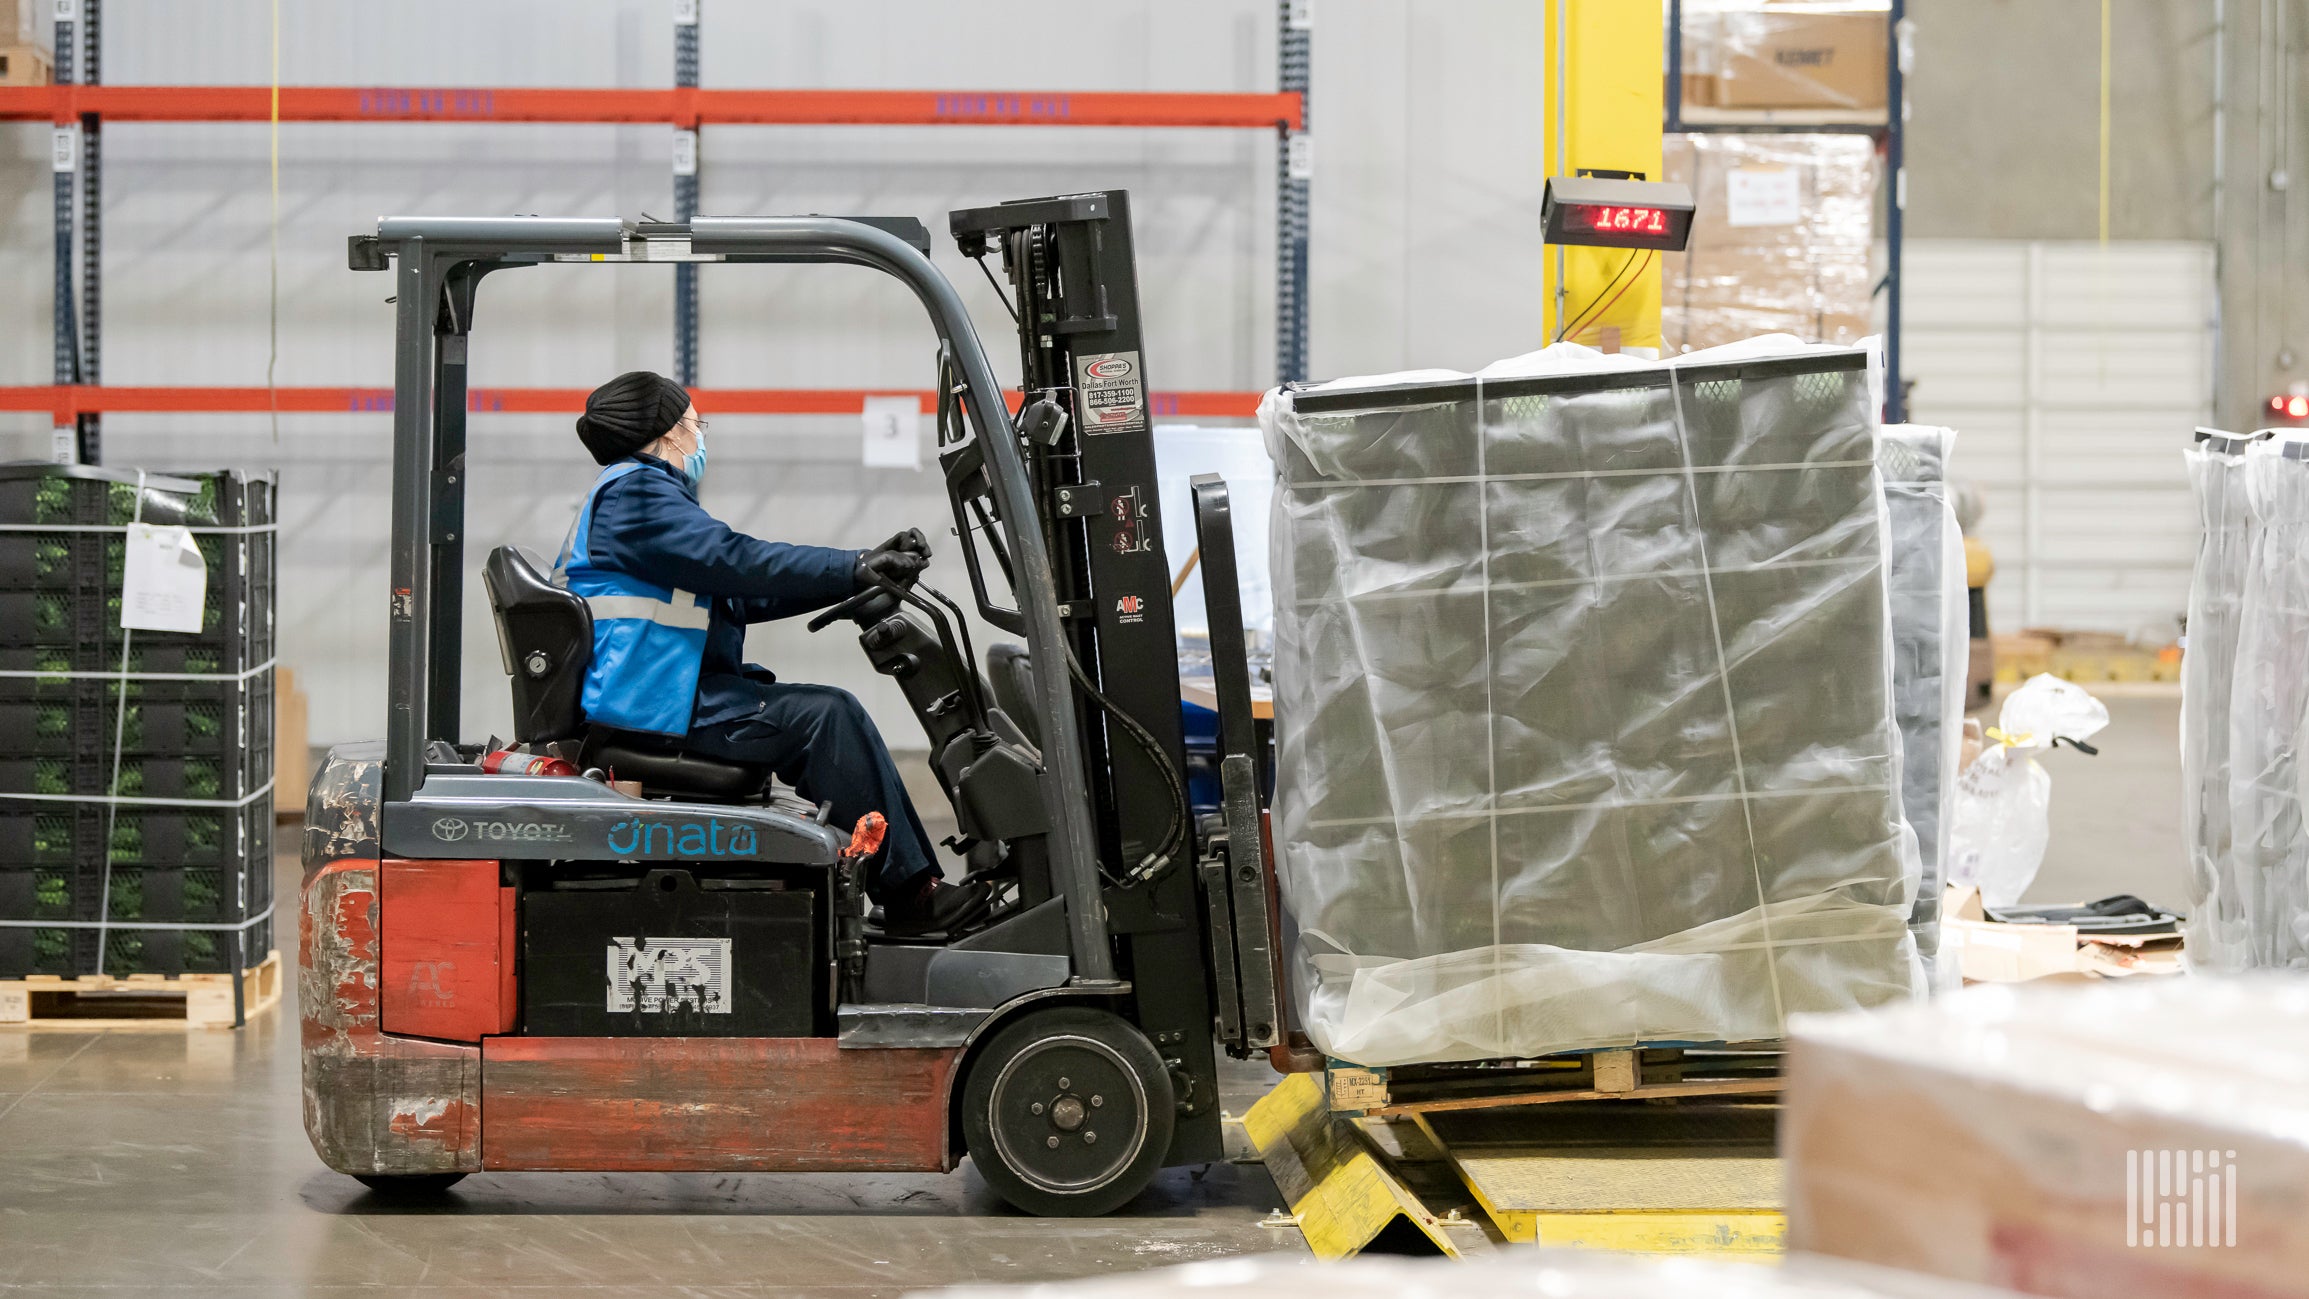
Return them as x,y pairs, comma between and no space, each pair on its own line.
698,425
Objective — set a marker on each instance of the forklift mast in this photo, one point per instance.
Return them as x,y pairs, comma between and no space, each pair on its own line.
1074,278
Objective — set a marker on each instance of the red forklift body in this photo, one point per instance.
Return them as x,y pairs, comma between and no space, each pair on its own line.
408,984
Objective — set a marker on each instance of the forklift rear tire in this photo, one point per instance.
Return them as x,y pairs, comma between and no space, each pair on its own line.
408,1186
1068,1112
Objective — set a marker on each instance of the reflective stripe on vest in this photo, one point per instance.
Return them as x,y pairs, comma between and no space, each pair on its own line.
682,613
649,641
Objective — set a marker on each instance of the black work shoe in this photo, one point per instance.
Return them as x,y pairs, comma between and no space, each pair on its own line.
938,907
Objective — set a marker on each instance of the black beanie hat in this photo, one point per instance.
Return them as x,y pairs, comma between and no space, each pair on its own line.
630,412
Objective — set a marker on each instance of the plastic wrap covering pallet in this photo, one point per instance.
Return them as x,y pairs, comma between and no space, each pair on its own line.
1781,242
1584,703
1815,60
136,802
101,1001
2244,701
2147,1138
1930,627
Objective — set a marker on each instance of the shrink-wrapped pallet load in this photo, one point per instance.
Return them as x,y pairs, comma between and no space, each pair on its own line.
2218,926
1929,631
1583,694
2252,903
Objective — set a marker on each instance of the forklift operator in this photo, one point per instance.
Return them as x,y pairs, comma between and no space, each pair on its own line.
672,590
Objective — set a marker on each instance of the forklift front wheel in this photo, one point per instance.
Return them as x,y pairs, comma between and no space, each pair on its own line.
1068,1112
408,1186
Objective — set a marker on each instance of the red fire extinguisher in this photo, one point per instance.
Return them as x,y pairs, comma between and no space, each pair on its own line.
513,762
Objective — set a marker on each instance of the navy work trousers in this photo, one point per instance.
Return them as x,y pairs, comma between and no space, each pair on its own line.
819,740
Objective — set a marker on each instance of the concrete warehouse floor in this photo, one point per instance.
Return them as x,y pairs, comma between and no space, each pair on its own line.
142,1162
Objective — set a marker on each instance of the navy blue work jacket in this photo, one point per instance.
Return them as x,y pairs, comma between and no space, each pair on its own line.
650,525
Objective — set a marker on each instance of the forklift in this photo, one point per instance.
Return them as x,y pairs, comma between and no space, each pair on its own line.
586,951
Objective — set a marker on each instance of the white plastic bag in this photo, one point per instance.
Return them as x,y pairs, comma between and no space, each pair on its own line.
2004,799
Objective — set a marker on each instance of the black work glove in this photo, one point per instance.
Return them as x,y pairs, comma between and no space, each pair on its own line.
899,560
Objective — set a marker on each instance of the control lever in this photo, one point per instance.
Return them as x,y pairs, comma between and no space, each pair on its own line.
857,604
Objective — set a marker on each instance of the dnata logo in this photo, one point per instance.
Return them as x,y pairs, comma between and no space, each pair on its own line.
662,975
635,837
1113,367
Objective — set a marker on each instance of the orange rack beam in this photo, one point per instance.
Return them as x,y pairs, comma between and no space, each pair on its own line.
67,400
680,106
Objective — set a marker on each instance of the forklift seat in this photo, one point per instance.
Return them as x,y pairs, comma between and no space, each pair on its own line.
545,636
1011,673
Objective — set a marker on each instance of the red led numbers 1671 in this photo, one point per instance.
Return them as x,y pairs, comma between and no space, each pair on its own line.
1626,220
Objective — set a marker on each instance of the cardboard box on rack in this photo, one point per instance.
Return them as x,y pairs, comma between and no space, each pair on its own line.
292,747
1788,56
28,22
24,65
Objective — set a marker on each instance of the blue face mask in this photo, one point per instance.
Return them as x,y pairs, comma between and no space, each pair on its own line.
693,465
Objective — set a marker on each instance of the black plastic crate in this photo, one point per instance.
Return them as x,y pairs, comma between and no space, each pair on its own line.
132,776
237,621
225,722
149,652
38,492
42,951
62,589
178,951
43,893
84,561
60,834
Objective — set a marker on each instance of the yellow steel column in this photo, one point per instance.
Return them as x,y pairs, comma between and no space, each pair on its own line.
1604,106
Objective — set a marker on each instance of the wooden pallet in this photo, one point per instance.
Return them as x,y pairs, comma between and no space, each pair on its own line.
138,1000
1640,1074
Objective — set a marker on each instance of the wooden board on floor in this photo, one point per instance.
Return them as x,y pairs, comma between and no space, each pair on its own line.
102,1001
1689,1178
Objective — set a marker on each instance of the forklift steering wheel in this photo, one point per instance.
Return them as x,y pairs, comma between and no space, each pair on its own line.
873,601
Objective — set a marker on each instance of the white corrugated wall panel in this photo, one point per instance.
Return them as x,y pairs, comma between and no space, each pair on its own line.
2073,373
1425,251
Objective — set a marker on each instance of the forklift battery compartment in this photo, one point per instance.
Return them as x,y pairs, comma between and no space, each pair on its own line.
670,955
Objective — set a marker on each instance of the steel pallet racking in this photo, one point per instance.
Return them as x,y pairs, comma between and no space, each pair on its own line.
79,104
1889,129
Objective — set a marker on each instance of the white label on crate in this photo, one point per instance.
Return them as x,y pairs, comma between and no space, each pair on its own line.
68,11
685,13
685,153
64,149
1763,196
893,433
1301,15
64,444
164,583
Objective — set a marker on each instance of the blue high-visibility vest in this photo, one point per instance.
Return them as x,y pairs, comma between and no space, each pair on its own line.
648,640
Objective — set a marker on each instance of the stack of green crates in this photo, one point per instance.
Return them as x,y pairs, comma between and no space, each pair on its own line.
93,713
